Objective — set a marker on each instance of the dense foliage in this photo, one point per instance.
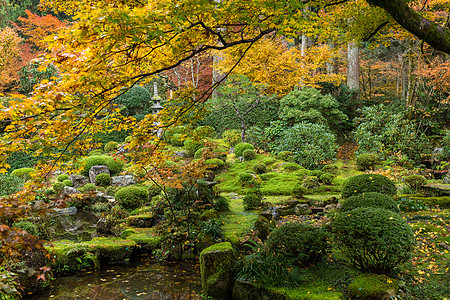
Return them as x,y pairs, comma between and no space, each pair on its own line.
369,199
366,183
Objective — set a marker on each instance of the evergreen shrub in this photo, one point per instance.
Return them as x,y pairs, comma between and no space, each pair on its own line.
332,169
326,178
370,199
374,239
241,147
366,161
415,182
67,182
260,168
114,165
251,201
366,183
249,154
58,186
62,177
131,197
103,179
111,146
23,173
300,244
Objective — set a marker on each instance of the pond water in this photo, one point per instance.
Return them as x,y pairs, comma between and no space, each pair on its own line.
142,279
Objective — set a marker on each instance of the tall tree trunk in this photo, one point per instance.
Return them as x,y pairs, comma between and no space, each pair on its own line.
353,66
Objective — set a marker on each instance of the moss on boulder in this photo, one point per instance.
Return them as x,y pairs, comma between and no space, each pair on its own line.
216,263
372,287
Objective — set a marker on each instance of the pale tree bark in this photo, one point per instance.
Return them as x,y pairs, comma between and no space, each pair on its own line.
353,66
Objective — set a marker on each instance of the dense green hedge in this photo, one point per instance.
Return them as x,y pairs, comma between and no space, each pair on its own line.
366,183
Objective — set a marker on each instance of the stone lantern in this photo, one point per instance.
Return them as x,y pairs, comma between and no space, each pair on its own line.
156,107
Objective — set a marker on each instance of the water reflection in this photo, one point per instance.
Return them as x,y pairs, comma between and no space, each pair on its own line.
143,279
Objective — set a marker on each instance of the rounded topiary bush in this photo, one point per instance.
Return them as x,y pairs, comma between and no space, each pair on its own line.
103,179
198,154
192,146
232,137
249,154
326,178
332,169
260,168
251,201
177,140
88,187
114,165
67,182
311,182
246,179
371,199
215,163
374,239
286,156
96,152
58,186
111,146
300,244
241,147
291,167
366,161
62,177
366,183
221,204
23,173
205,131
131,197
415,182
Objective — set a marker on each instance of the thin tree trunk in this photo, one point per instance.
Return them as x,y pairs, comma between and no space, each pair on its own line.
353,66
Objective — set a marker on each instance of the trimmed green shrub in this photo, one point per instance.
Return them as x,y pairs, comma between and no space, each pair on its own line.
239,149
111,146
372,287
198,154
249,154
286,156
415,182
23,173
114,165
332,169
312,145
367,161
232,137
96,152
326,178
103,179
28,226
58,186
316,173
299,191
221,204
88,187
67,182
246,179
299,243
192,146
135,101
374,239
131,197
291,167
366,183
177,140
62,177
111,190
251,201
371,199
260,168
268,161
216,163
311,182
205,132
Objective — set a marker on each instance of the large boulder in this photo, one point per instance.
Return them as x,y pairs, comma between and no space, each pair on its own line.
78,180
123,180
95,170
216,263
70,190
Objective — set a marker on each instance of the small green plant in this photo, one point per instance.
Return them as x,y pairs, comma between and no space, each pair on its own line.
251,201
371,199
88,187
100,207
215,163
96,152
300,244
299,191
62,177
286,156
67,182
212,227
131,197
291,167
241,147
221,204
415,182
191,146
332,169
111,146
114,165
249,154
23,173
28,226
368,183
232,137
58,186
103,179
260,168
374,239
311,182
204,131
326,178
367,161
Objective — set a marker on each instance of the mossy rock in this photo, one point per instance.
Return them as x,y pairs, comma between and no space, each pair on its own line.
372,287
146,240
141,221
245,290
216,263
443,202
